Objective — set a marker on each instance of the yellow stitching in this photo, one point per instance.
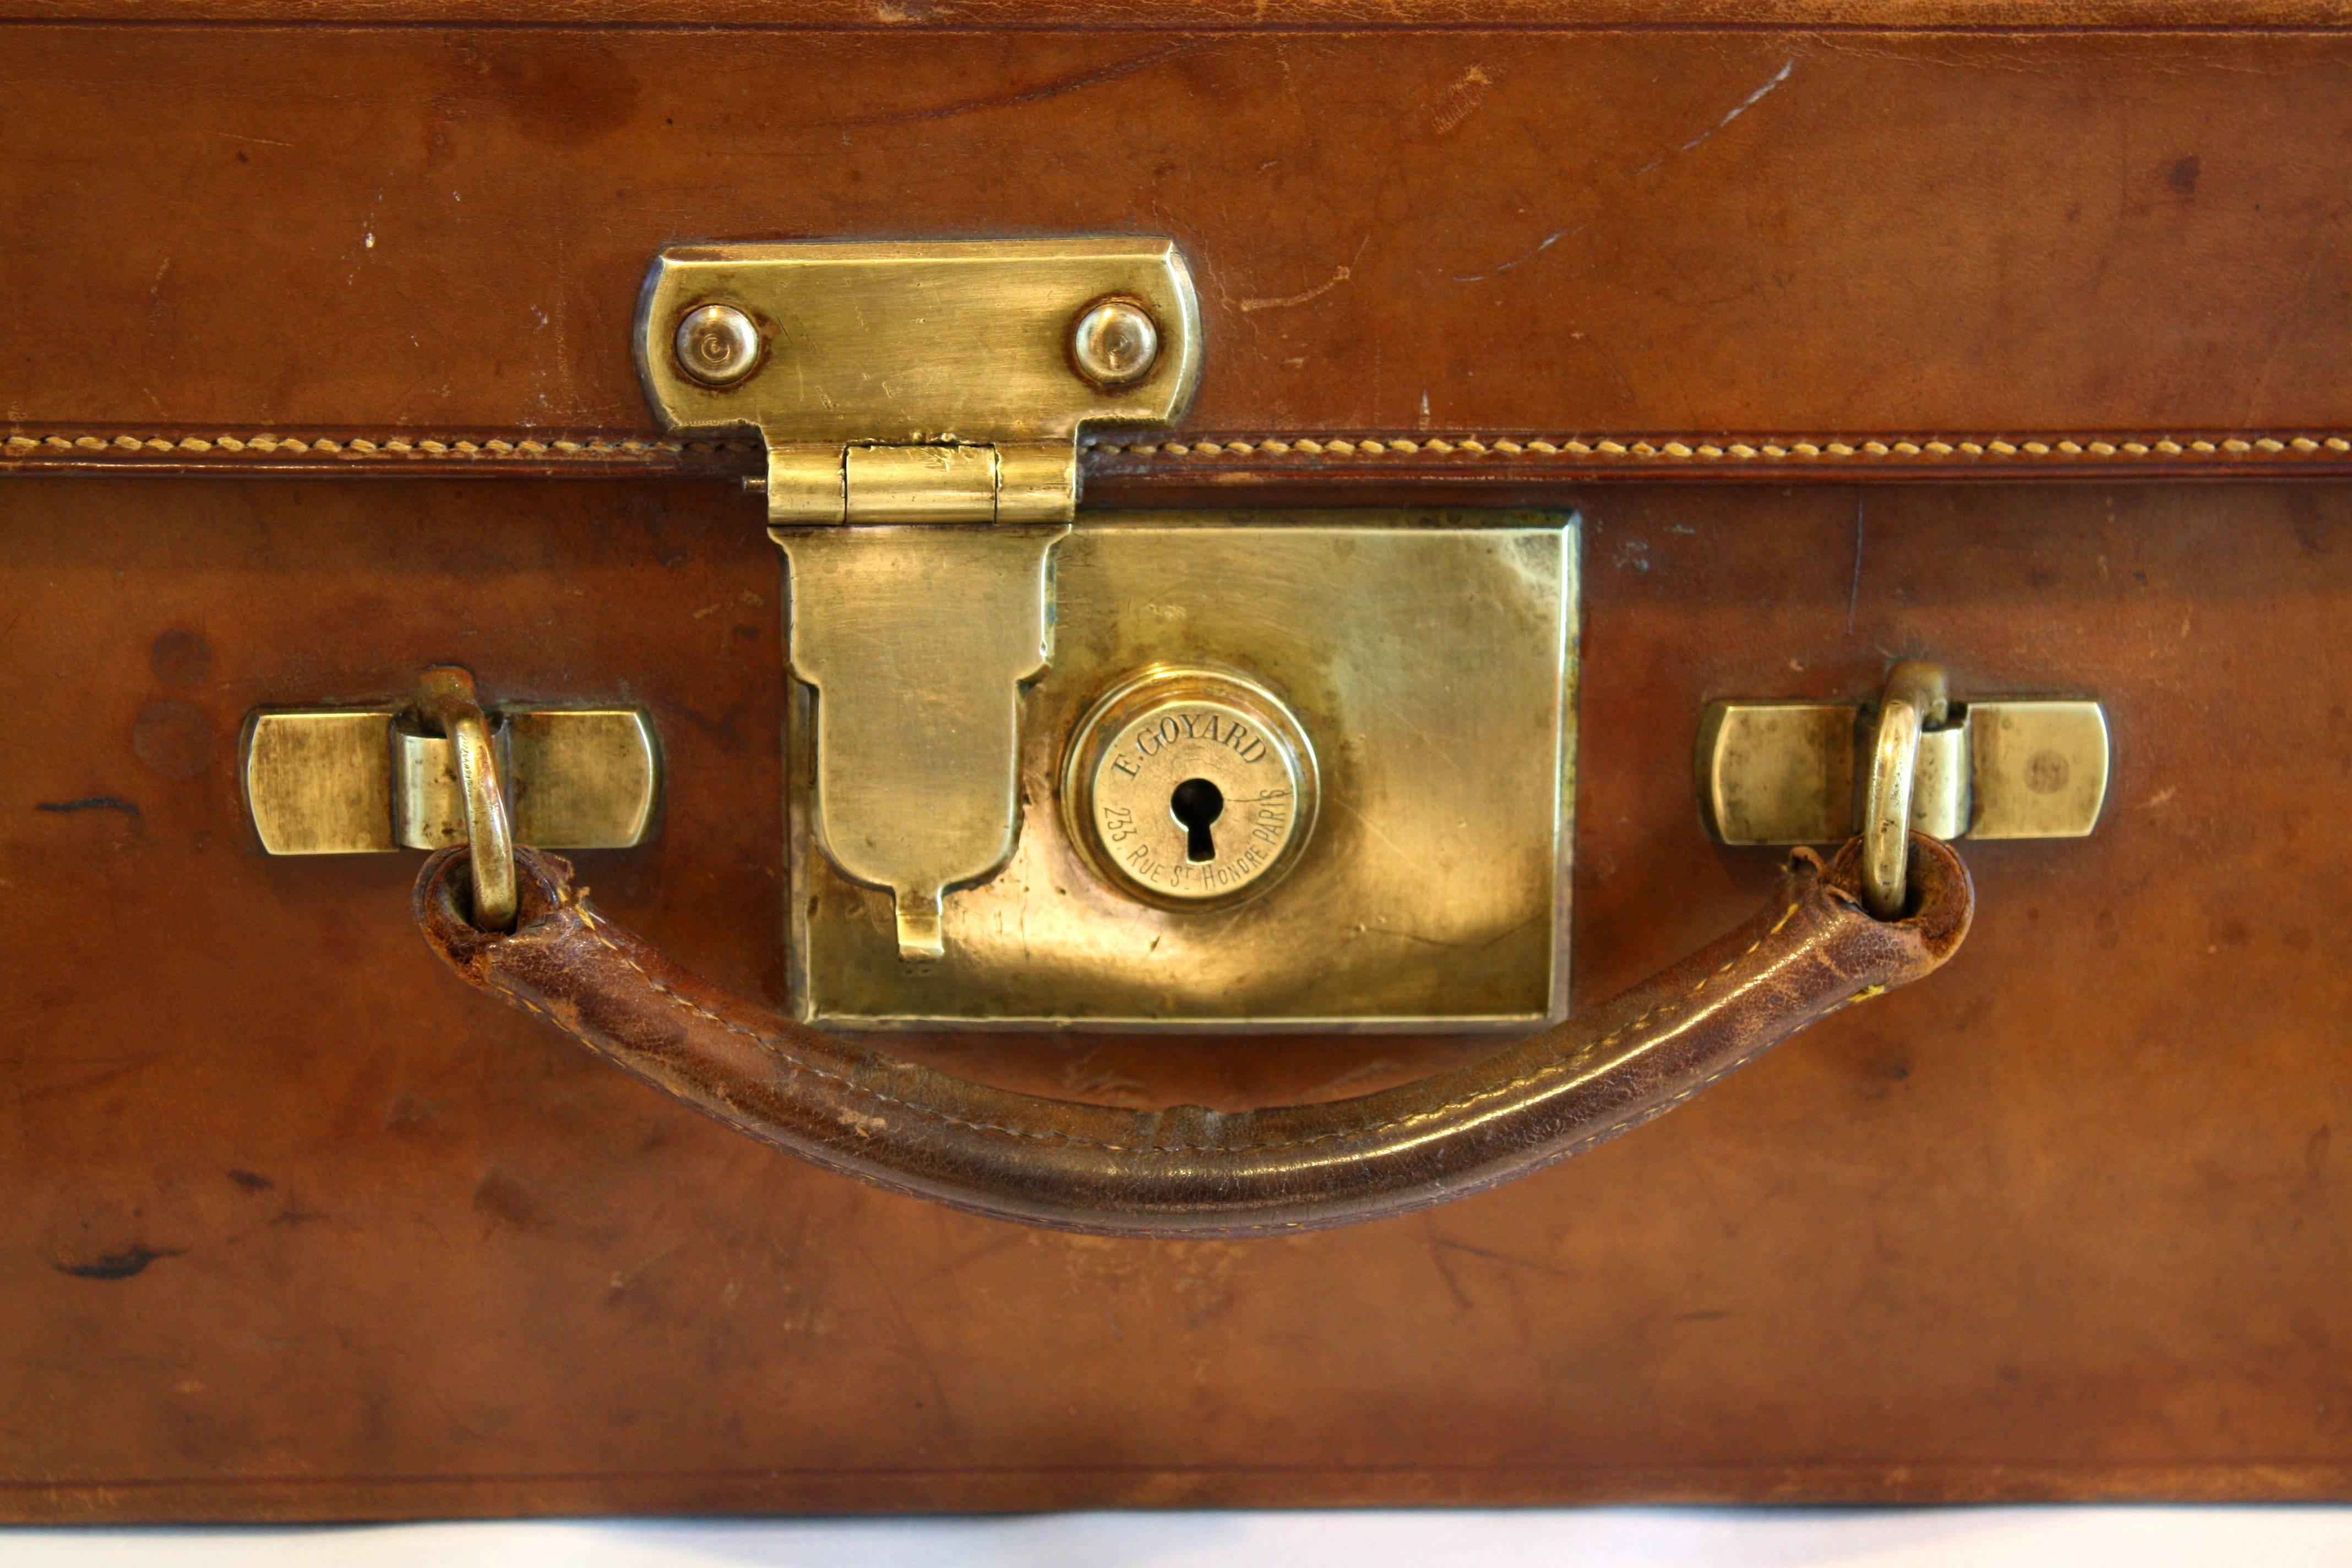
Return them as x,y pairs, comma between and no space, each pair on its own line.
1907,449
1670,450
1556,1069
528,448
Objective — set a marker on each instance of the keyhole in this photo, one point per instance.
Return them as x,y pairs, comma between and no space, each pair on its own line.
1195,804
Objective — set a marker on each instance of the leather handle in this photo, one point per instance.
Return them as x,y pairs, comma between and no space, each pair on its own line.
1187,1170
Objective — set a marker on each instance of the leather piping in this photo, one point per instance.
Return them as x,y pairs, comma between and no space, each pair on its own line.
1271,456
1188,1171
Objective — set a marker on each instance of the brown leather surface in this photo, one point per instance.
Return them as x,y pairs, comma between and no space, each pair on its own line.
297,1224
1657,237
1189,1171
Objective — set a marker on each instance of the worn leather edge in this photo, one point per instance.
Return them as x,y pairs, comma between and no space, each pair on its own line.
1238,459
1909,15
917,1488
1533,1479
1187,1170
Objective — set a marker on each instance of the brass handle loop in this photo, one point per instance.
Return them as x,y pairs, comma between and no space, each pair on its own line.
1917,698
446,698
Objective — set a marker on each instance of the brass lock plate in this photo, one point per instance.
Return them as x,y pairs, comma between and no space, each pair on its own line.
1406,679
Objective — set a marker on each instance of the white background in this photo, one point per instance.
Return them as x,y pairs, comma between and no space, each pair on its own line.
1592,1538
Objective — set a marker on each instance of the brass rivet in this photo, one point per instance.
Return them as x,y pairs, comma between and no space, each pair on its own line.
716,345
1115,343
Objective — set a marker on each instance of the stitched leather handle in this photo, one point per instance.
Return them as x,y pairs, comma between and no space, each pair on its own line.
1188,1171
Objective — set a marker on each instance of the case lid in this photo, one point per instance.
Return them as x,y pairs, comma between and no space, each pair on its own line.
1490,238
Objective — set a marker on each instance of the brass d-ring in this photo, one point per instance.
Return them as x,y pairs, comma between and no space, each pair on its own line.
1916,699
446,697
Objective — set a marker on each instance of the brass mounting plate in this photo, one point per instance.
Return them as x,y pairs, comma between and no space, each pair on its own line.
1430,659
358,781
902,342
901,382
1788,773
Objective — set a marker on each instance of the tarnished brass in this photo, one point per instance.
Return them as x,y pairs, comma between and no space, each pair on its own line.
428,800
1787,772
317,781
1915,702
446,699
916,393
350,781
1940,791
1115,343
1428,662
581,778
965,344
1189,786
716,345
917,484
2039,769
915,640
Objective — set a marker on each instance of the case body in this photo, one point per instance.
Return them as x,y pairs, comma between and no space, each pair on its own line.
2008,337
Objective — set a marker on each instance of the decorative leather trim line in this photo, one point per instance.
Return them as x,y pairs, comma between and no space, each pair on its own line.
1754,449
1471,456
530,448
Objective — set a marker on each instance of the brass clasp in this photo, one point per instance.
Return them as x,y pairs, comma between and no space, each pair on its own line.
1808,773
443,771
921,405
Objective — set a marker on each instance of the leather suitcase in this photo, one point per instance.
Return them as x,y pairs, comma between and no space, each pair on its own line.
1926,414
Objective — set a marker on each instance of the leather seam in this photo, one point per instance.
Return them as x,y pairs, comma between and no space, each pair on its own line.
1555,1069
2063,448
1652,448
528,447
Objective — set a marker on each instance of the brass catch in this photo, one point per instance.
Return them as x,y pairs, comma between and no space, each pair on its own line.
1792,772
370,780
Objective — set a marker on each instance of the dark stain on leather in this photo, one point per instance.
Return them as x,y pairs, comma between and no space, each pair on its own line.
173,738
251,1182
1022,98
558,91
91,802
297,1212
2314,526
180,659
501,1198
409,1117
123,1265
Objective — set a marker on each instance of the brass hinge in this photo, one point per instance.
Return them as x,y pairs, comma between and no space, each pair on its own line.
910,384
919,384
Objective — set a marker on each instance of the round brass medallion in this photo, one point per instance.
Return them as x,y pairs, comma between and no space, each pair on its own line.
1189,787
